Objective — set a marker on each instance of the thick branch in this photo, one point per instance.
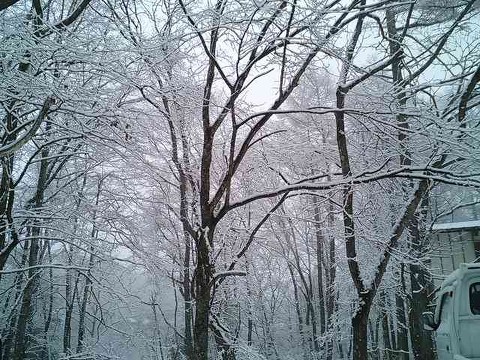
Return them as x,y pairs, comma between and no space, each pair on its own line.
9,149
4,4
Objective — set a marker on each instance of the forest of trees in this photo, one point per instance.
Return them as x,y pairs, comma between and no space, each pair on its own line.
230,179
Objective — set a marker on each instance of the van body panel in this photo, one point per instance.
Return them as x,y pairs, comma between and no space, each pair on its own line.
457,314
468,318
444,330
469,337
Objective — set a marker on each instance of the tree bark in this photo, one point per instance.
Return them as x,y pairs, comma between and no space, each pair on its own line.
88,282
301,330
320,241
187,299
421,286
203,276
24,316
384,315
330,288
400,308
360,328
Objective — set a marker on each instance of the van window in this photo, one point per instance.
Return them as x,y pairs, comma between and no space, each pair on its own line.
445,308
475,298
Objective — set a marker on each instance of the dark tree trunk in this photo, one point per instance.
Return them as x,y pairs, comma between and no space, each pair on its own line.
7,196
88,282
187,299
83,308
9,337
360,328
250,312
203,276
157,334
422,343
69,292
49,307
330,288
67,328
298,312
402,326
421,287
226,349
384,315
320,241
24,315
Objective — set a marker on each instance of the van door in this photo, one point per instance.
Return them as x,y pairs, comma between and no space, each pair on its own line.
469,323
444,330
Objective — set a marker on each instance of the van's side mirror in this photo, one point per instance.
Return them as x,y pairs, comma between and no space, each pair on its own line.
429,321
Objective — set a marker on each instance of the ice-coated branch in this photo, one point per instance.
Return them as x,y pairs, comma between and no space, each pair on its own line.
8,149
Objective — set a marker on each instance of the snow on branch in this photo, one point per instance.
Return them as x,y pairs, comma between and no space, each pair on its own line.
46,266
224,274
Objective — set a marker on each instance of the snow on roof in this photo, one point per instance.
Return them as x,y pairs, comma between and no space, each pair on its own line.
460,273
456,225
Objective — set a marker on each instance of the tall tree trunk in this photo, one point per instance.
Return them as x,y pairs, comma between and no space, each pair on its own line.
69,291
69,301
7,191
203,276
7,196
225,347
320,241
49,310
373,335
384,315
187,299
250,300
330,288
421,341
88,282
24,315
270,348
402,325
298,311
158,338
360,327
365,292
83,306
421,286
9,336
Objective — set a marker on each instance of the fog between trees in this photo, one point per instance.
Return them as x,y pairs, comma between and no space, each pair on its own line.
154,204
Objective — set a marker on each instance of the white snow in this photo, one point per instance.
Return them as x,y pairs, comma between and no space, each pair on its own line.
456,225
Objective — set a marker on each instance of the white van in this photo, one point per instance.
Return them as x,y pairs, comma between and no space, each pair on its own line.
456,320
